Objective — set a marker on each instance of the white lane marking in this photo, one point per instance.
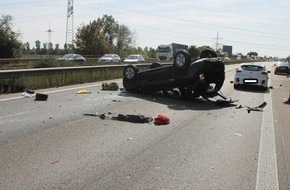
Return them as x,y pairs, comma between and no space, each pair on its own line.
238,134
267,174
61,90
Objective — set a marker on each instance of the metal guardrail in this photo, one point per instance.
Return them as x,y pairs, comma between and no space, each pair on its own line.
25,60
12,81
17,73
6,74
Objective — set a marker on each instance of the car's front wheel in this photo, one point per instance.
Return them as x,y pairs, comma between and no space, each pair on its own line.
130,78
181,62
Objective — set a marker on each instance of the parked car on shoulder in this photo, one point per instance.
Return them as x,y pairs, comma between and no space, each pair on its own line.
282,67
72,57
251,74
134,59
110,58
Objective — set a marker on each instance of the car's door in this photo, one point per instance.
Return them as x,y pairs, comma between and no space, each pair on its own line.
115,58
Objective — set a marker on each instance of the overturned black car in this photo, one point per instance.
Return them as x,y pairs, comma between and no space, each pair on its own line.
193,78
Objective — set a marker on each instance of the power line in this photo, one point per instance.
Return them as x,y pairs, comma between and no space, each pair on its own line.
256,32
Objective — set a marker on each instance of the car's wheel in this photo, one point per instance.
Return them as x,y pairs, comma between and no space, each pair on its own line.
264,88
155,65
130,78
181,62
197,92
208,54
184,92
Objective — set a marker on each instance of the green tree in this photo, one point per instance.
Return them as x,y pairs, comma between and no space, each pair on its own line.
56,49
90,39
103,35
152,53
124,37
10,46
26,46
44,50
37,46
49,48
252,54
109,28
193,51
288,59
149,52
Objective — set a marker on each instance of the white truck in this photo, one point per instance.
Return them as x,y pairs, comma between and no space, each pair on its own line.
167,52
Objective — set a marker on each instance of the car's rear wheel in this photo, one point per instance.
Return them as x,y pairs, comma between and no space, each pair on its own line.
264,88
181,62
130,78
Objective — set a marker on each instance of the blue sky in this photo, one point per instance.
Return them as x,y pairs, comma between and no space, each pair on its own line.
247,25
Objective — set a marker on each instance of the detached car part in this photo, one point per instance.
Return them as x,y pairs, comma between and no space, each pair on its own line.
202,77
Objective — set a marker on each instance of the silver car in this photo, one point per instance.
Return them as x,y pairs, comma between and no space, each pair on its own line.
134,59
72,57
110,58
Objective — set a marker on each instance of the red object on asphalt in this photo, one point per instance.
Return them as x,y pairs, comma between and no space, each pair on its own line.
161,120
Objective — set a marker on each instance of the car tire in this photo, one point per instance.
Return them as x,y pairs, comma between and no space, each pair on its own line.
130,78
208,54
184,92
155,65
264,88
197,92
181,62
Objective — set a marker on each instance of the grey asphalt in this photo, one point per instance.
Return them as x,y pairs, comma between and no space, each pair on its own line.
53,145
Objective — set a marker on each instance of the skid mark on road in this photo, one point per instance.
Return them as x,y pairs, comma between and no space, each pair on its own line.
267,174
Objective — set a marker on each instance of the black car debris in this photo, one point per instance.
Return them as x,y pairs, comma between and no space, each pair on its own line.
192,78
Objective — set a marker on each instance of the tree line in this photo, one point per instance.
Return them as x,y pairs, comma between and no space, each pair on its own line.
100,36
104,35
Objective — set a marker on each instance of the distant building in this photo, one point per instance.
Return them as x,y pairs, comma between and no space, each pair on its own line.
228,50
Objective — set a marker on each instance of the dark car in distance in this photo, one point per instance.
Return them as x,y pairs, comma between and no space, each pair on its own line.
193,78
282,67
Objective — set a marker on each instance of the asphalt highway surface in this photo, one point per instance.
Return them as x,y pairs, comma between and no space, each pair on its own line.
62,143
